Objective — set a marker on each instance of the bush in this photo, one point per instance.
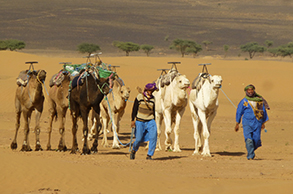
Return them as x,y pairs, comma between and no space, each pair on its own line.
12,44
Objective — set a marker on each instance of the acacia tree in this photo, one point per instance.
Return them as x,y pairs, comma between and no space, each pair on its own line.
88,48
182,45
226,48
252,48
194,48
146,48
126,46
206,43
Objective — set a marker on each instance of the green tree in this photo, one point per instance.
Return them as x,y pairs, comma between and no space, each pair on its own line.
206,43
194,48
274,51
126,46
269,43
226,48
3,45
252,48
182,45
13,44
147,48
88,48
285,50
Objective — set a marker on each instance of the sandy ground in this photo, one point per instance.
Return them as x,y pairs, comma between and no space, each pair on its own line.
111,171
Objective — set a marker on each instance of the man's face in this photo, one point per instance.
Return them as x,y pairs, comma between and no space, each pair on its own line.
250,91
149,92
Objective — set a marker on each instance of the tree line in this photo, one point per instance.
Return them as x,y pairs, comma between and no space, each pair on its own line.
11,44
180,45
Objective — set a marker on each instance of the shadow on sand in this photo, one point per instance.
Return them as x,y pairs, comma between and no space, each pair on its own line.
229,153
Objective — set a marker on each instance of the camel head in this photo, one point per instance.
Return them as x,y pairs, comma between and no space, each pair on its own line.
125,92
216,81
41,75
181,82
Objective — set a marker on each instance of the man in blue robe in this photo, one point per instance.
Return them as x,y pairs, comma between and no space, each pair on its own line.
252,111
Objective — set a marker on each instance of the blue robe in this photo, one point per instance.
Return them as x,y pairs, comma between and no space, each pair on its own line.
251,125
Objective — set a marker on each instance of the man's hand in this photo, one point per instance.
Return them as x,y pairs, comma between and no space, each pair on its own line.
263,126
237,127
132,124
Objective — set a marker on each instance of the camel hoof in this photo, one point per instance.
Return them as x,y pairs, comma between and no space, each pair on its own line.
115,147
13,146
168,148
74,150
206,154
38,148
85,151
26,148
94,150
49,148
62,148
177,150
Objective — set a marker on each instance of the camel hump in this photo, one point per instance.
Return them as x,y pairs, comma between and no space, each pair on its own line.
199,81
22,79
166,79
57,79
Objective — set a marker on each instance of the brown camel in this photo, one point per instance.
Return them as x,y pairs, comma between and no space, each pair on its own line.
58,105
117,99
81,100
28,99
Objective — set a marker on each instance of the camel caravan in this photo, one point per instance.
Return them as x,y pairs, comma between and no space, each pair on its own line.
94,92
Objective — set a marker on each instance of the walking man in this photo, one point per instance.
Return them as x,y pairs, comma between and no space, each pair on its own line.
252,111
143,119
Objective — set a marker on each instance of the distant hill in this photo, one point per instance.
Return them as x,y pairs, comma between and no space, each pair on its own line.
63,24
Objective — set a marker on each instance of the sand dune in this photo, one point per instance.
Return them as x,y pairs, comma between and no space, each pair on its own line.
111,171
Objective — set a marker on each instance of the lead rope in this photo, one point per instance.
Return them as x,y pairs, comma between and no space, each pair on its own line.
114,129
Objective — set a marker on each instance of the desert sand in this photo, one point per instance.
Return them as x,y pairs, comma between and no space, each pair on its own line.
111,171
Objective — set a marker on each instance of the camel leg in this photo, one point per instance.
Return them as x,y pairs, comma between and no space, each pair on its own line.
168,129
177,129
105,121
13,145
210,119
115,131
52,112
74,116
84,116
159,119
96,109
37,130
206,134
26,145
195,122
62,119
92,130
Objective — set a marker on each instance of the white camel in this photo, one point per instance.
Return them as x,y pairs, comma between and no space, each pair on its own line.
203,102
117,100
171,101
